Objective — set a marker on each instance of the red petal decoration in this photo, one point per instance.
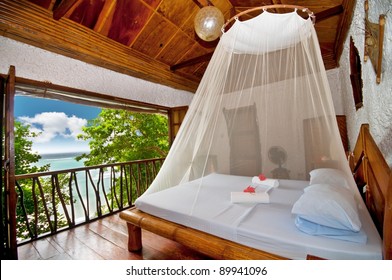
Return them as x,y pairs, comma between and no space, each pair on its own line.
250,189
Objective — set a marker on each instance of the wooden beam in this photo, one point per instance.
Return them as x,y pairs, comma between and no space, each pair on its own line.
192,61
202,3
387,236
10,195
345,22
107,11
62,8
276,2
337,10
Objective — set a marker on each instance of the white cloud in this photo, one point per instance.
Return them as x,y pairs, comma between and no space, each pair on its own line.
50,125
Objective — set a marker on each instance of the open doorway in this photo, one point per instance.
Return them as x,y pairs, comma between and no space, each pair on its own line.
59,199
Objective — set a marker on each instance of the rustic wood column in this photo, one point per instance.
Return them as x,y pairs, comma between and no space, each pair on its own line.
134,238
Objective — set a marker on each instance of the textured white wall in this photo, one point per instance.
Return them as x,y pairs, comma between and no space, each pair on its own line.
335,86
377,98
37,64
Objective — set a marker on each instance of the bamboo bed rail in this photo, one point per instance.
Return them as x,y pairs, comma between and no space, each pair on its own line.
210,245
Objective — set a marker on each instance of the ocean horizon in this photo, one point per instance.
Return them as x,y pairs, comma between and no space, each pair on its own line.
61,155
59,161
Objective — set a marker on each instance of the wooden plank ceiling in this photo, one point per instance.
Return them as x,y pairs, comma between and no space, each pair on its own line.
149,39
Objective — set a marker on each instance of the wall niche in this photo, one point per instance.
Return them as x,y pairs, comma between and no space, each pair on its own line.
356,75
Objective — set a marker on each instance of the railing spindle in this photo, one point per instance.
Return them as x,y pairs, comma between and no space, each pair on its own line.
104,191
97,196
23,207
62,200
120,206
86,174
54,184
46,210
79,195
73,219
35,208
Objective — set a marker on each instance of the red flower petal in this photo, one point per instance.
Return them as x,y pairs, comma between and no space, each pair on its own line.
250,189
262,177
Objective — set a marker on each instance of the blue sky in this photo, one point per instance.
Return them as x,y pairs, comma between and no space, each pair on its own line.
57,122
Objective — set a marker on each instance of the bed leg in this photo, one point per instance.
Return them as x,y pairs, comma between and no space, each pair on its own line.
134,238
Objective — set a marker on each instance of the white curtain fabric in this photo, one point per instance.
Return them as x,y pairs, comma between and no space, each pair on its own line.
263,106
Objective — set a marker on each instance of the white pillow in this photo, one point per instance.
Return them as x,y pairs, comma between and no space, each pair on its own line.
328,188
329,206
331,176
342,234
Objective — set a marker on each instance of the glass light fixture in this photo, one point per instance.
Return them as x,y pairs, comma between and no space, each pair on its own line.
208,23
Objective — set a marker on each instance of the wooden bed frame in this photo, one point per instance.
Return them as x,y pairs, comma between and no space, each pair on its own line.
369,169
373,175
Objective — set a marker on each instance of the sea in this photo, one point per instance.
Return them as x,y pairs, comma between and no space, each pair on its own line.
62,161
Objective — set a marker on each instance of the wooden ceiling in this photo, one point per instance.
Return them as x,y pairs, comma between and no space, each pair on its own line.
149,39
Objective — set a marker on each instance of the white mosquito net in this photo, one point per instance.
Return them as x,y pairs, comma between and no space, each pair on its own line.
263,106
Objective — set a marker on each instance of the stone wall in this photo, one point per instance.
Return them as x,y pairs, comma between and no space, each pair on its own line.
377,98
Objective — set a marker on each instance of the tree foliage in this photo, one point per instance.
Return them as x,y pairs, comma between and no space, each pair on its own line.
120,136
24,156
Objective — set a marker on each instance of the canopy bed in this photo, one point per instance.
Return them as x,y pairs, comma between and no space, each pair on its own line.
258,169
368,166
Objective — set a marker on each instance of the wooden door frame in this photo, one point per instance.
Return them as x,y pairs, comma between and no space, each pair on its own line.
8,205
175,117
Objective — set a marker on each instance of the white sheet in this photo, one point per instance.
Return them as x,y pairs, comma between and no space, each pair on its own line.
204,204
245,197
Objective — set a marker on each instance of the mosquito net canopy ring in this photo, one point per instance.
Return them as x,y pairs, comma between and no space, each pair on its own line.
263,106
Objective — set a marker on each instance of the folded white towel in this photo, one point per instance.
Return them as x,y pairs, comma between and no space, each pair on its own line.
245,197
267,182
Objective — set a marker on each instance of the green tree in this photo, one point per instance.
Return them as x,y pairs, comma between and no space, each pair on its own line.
120,135
24,156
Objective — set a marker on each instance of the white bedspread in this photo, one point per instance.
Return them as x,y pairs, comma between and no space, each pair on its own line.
204,204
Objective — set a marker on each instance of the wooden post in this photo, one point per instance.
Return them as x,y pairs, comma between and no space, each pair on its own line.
387,236
134,238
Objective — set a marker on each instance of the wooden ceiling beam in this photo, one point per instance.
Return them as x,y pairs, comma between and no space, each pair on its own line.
202,3
107,11
344,24
192,61
337,10
63,8
276,2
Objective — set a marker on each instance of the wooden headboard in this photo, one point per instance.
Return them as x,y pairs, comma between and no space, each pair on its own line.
372,173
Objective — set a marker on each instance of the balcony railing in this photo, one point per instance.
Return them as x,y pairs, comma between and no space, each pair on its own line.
50,202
